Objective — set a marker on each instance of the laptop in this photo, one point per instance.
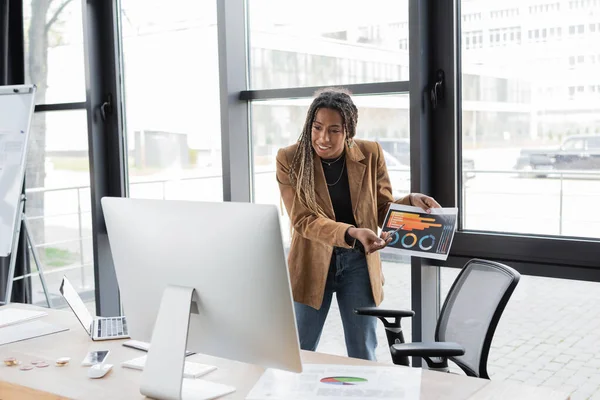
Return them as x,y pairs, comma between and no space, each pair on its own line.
98,328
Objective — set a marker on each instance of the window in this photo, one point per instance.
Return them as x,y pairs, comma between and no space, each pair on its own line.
174,147
511,117
571,92
593,143
57,172
294,28
278,123
505,13
471,17
543,8
59,208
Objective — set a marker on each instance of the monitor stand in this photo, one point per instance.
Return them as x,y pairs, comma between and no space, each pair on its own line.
162,377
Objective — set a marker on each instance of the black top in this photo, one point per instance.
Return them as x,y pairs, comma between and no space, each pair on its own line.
336,176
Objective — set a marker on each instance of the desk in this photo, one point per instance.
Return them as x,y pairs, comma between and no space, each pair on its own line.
123,383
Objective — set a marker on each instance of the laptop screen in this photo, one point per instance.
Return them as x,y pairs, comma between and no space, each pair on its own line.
76,304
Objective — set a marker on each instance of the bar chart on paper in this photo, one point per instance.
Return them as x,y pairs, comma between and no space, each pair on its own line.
421,234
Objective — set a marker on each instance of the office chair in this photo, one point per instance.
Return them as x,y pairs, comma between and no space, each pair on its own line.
466,324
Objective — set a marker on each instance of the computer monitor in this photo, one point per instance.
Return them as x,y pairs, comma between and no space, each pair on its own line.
231,255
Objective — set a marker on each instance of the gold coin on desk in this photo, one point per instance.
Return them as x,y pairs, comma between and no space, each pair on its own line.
11,361
61,362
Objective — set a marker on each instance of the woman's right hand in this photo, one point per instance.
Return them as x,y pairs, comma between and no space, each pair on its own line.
369,239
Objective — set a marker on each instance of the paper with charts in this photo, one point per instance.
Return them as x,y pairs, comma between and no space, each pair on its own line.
421,234
337,382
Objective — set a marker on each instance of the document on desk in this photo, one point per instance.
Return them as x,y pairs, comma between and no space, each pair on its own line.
27,330
337,382
11,316
420,234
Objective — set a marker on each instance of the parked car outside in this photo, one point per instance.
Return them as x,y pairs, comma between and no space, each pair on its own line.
577,152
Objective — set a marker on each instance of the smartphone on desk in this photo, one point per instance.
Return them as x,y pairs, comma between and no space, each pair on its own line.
95,357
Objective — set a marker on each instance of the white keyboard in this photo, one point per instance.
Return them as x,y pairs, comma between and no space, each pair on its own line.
191,370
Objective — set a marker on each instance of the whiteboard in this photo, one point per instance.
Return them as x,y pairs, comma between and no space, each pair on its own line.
16,111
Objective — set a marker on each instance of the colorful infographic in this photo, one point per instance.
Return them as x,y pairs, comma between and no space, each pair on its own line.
339,382
420,234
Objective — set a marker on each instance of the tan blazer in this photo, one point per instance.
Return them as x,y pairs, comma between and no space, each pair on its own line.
314,236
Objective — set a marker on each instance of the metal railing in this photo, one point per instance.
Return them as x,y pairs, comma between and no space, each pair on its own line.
81,212
547,175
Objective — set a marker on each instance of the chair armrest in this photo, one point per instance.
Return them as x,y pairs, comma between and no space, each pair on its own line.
428,349
378,312
434,353
393,328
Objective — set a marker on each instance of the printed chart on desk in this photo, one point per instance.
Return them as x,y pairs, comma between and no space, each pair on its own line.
421,234
339,382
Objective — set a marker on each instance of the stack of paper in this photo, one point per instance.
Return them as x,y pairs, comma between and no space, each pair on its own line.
337,382
11,316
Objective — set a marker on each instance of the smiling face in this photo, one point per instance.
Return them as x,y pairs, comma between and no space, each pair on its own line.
328,133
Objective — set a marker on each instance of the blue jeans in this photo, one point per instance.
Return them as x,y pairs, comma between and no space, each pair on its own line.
348,277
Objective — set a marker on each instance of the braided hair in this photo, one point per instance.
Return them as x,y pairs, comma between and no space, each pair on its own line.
302,175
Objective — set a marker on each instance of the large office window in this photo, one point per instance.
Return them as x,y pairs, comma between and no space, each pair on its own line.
57,175
530,120
530,123
336,42
172,99
278,123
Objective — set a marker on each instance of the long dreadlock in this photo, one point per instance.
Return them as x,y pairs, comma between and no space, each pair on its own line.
302,175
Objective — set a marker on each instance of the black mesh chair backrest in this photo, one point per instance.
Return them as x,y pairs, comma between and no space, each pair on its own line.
472,310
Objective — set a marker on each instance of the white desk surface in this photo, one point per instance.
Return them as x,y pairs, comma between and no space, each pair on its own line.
122,383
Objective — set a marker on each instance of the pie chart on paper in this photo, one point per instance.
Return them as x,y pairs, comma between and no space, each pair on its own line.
343,380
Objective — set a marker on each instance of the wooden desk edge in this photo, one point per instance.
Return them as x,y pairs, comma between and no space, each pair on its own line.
10,391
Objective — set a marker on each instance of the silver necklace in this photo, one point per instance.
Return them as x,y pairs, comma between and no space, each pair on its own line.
332,162
340,177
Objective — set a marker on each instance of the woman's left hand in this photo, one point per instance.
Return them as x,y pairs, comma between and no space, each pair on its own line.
423,201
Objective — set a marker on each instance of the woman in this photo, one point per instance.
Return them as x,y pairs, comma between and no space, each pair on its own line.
337,192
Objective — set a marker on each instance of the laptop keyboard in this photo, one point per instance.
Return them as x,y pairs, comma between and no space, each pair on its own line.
111,327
